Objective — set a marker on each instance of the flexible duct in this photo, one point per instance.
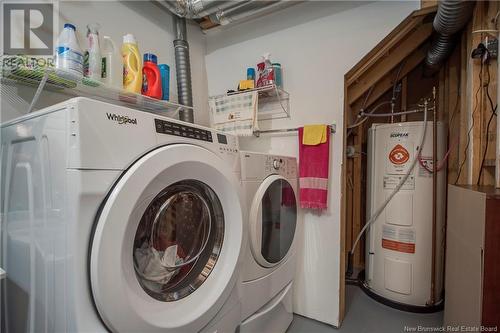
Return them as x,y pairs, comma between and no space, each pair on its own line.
247,9
183,69
224,12
195,9
451,17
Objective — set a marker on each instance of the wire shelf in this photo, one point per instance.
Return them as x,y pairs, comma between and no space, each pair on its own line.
47,78
274,102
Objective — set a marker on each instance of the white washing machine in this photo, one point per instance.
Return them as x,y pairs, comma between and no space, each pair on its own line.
270,186
119,220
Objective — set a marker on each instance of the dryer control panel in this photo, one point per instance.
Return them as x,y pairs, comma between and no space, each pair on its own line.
259,166
284,166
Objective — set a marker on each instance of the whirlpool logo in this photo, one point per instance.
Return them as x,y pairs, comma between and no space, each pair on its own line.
121,119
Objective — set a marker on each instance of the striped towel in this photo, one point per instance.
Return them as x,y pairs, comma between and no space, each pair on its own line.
235,114
313,173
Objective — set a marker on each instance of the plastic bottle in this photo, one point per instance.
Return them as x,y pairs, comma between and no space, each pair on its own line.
266,72
278,74
151,77
93,60
165,81
69,58
111,64
132,68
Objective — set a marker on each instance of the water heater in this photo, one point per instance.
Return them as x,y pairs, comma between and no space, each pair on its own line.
399,243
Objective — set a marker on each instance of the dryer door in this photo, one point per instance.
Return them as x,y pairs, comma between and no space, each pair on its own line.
167,242
273,220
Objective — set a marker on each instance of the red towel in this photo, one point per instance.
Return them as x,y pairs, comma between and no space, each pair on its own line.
313,173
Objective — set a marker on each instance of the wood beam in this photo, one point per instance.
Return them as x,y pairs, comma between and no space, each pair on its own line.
381,49
386,64
387,82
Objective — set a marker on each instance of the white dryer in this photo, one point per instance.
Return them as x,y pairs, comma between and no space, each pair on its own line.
119,220
270,186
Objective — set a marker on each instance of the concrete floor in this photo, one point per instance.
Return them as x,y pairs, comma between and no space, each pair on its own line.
365,315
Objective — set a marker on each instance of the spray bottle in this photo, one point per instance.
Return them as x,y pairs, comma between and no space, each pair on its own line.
92,60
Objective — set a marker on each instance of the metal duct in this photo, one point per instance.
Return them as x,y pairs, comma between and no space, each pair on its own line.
247,9
183,69
195,9
451,17
223,12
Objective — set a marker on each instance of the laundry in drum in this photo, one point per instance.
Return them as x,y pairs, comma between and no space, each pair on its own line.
157,266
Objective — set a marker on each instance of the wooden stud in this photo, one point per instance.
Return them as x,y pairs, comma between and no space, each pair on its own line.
404,49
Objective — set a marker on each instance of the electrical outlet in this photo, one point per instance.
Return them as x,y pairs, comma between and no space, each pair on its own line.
492,47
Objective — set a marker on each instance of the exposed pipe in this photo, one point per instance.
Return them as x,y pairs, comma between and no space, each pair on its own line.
183,69
451,17
497,154
434,199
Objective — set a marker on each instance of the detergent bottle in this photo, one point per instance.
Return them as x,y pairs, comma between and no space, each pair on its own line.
132,78
111,64
151,77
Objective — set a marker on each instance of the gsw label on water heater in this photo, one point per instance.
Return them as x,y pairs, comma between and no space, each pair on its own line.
398,156
398,239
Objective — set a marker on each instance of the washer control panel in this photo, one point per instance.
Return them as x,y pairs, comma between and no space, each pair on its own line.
169,127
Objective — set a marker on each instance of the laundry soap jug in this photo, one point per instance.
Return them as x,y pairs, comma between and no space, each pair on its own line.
111,64
151,77
132,68
92,63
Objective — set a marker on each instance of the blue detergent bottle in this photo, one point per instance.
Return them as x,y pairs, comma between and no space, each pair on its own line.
165,81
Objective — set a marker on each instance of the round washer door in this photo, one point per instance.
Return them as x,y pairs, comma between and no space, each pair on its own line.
167,242
273,220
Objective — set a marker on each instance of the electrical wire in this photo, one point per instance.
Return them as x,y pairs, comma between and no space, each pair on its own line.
472,124
441,164
493,113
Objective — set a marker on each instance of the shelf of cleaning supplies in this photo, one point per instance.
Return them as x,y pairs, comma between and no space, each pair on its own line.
49,79
273,103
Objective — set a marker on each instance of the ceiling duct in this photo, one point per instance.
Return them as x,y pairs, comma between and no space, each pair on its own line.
451,17
196,9
224,12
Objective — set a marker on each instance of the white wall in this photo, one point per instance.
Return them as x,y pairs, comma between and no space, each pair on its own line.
316,43
153,28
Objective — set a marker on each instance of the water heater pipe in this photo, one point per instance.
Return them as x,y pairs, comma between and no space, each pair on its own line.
434,198
380,209
497,157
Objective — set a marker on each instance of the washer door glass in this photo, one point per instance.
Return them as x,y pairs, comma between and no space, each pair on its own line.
178,240
279,219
